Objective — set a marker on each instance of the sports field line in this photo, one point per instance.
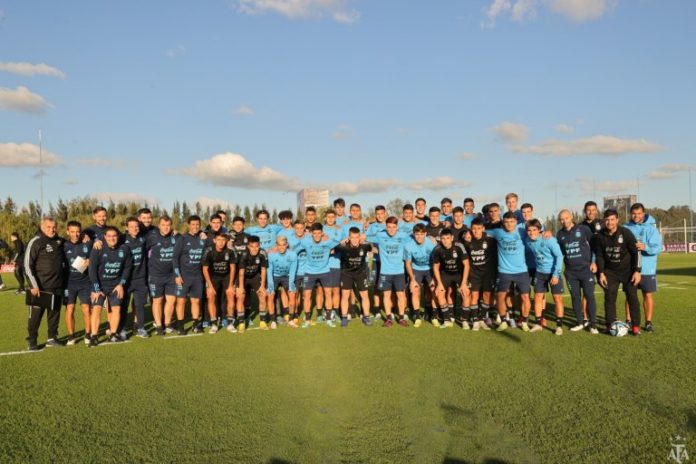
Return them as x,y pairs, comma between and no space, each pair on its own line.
175,337
13,353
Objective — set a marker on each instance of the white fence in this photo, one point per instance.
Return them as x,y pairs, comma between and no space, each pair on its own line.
678,239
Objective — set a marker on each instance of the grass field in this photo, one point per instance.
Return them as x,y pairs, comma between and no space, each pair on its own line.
361,394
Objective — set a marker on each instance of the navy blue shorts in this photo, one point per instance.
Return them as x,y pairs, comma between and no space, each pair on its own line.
648,283
299,282
542,284
388,283
192,288
532,276
334,278
282,282
71,295
311,280
505,282
354,280
160,288
110,296
423,277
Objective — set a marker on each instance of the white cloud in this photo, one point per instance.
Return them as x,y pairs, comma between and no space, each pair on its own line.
582,10
338,10
668,171
363,186
523,10
233,170
598,145
245,110
31,69
71,181
510,132
26,154
125,197
564,129
22,99
176,51
437,184
466,156
343,132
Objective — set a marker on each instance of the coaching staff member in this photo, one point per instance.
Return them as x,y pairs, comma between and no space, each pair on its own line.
46,269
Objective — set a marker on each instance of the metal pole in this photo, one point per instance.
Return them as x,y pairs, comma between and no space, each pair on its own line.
691,207
686,239
41,174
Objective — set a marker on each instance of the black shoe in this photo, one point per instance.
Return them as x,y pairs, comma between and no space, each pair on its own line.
180,331
114,338
52,343
160,331
649,328
33,347
93,341
197,329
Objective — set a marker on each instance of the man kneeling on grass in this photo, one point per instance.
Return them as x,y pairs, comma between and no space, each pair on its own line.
109,271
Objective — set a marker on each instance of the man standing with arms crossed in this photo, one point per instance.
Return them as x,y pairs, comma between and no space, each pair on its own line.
649,243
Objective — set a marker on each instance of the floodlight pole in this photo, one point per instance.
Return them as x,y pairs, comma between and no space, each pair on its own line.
41,174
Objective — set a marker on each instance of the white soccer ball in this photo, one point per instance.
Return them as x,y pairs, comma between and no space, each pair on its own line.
619,329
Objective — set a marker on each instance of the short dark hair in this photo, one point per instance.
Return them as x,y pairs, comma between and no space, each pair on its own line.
380,208
446,231
73,224
493,205
468,200
589,203
419,228
637,206
165,218
534,223
130,219
329,211
14,234
407,207
193,218
420,199
262,211
477,222
446,200
317,226
458,209
144,211
433,209
253,239
392,220
354,230
525,206
509,215
220,233
310,208
221,211
339,202
298,221
112,229
355,205
285,214
610,212
238,219
215,216
98,209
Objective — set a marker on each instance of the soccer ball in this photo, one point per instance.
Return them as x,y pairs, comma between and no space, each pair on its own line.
618,329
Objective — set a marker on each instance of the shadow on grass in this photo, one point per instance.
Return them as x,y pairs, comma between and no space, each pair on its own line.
278,461
509,335
450,460
681,271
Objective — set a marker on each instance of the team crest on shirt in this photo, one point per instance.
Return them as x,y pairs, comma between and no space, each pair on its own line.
620,238
173,240
258,261
85,249
454,255
227,256
485,246
577,233
120,253
597,226
362,253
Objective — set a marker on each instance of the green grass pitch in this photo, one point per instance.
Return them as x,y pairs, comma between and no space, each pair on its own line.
361,394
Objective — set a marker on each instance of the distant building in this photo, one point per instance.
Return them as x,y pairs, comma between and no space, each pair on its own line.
621,203
319,198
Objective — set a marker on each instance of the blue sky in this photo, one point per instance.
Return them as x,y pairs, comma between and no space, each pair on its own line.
245,101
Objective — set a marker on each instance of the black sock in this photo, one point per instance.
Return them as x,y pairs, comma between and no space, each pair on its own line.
308,316
559,322
466,313
475,312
